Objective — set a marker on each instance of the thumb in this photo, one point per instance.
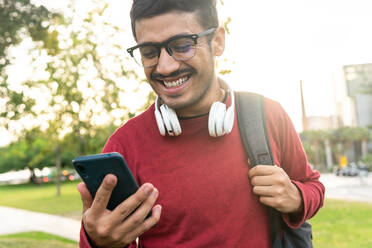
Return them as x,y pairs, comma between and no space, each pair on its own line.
86,197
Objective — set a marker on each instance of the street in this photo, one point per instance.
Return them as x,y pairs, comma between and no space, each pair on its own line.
348,188
18,220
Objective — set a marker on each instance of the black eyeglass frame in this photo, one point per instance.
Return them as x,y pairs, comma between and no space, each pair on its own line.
160,45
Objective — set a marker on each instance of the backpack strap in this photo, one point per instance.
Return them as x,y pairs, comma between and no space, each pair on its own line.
250,108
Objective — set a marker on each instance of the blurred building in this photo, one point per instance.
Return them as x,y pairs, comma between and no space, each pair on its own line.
317,122
353,102
322,122
358,79
353,90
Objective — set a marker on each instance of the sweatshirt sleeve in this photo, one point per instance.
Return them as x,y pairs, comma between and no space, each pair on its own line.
290,155
83,242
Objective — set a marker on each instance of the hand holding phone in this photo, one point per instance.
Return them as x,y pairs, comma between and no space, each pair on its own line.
118,228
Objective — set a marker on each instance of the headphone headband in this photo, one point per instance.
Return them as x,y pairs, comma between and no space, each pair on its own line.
220,122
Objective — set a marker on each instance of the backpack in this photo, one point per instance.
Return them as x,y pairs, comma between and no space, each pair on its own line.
250,108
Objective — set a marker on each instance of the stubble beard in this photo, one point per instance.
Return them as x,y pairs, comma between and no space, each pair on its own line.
196,98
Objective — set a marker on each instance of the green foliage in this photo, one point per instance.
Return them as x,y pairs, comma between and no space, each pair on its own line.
85,69
31,151
82,83
315,135
349,134
36,150
367,161
19,18
17,103
341,140
226,25
313,143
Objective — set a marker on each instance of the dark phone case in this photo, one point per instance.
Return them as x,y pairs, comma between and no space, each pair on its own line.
93,168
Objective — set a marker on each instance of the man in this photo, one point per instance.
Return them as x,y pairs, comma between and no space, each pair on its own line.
195,177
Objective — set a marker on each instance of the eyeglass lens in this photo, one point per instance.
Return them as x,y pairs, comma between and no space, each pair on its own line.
180,49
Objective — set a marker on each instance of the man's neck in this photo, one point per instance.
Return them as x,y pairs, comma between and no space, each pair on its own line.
216,93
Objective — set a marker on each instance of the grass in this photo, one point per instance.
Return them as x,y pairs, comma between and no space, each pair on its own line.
35,240
42,198
343,224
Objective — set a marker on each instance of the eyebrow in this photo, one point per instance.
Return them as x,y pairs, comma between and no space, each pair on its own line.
182,35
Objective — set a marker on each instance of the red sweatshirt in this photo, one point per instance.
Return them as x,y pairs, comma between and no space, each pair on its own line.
203,184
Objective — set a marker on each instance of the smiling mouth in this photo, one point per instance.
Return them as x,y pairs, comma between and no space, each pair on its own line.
175,83
174,79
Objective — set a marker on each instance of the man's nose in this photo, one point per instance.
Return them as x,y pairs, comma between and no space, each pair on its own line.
166,63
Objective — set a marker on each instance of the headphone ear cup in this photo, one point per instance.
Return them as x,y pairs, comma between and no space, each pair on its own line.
170,120
229,120
219,118
216,119
211,126
166,119
176,127
159,122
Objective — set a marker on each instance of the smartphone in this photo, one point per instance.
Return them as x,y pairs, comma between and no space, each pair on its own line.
93,168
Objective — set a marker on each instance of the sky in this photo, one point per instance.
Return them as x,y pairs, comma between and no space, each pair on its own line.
273,45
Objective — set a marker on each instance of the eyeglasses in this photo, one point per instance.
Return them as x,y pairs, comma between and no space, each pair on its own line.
180,47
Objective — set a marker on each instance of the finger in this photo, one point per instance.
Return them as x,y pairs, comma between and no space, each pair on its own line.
148,223
275,202
269,201
262,170
262,180
103,194
122,211
138,216
85,195
264,191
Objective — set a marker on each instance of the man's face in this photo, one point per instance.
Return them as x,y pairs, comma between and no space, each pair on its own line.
182,85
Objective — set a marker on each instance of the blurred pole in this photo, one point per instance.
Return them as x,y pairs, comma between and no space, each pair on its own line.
304,117
364,148
328,151
58,170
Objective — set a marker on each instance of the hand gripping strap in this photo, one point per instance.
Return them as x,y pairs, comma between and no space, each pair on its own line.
250,109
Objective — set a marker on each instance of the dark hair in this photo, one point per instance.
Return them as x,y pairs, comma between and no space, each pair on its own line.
205,10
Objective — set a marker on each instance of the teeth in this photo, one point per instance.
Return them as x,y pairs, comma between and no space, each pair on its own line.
175,83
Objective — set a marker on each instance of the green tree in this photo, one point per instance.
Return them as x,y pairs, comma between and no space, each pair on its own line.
35,150
85,85
340,140
346,137
20,19
314,145
31,151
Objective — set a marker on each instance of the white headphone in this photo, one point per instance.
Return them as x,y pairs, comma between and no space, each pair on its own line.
220,121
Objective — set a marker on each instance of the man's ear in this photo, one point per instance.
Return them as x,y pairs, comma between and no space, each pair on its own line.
218,42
